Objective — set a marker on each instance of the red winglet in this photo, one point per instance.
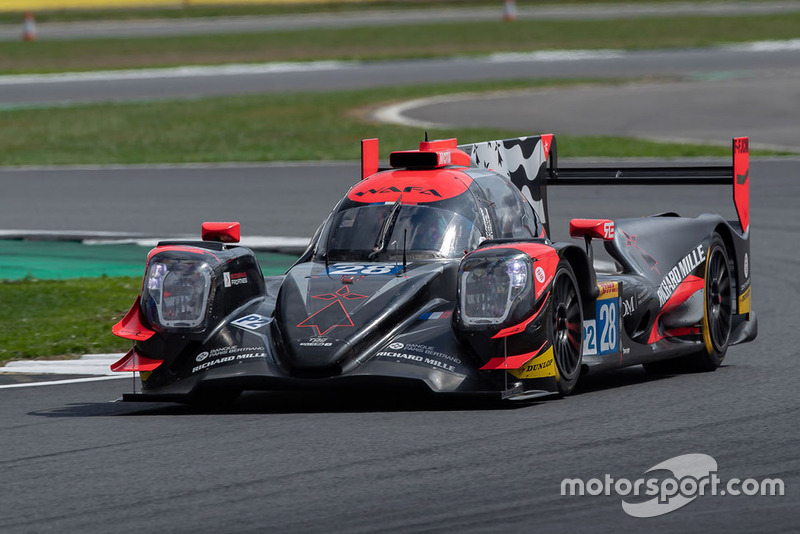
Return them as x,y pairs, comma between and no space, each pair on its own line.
370,157
131,327
741,177
135,362
512,362
226,232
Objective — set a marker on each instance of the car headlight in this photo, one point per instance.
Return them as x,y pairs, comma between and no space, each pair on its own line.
175,293
490,287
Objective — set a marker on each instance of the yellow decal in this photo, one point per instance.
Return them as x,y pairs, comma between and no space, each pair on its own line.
538,367
608,290
744,301
145,375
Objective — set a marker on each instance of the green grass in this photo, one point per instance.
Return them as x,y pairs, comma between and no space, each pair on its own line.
277,127
68,317
406,41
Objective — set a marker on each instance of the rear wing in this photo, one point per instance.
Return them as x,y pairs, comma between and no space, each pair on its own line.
532,165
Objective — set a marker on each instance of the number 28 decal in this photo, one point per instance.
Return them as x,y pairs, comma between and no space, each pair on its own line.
340,269
601,335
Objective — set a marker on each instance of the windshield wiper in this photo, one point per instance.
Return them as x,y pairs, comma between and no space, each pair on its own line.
386,229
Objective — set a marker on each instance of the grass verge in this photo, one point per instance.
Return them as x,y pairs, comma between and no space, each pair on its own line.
406,41
274,127
44,318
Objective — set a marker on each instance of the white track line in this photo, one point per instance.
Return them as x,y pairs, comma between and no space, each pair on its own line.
90,364
62,382
176,72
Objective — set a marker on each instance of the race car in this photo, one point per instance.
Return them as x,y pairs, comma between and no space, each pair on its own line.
439,271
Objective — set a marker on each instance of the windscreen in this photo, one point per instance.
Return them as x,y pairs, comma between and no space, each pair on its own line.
380,232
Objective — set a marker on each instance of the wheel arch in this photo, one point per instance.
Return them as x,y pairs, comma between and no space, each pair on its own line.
726,234
584,271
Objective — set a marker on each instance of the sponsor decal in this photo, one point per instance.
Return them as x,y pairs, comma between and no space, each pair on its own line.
332,315
229,354
608,289
317,342
349,269
417,358
540,276
608,230
226,279
650,261
487,223
746,265
745,286
435,315
253,322
423,354
741,145
237,279
601,334
393,189
690,476
678,273
744,301
741,179
540,366
628,305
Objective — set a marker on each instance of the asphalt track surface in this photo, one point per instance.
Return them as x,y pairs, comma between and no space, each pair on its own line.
186,82
762,106
72,461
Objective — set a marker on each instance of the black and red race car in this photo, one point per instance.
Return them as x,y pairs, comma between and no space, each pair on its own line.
440,271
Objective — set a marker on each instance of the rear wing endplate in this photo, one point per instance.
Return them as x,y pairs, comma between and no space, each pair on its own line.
736,175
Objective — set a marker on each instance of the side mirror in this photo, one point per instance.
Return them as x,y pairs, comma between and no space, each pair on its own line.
226,232
592,228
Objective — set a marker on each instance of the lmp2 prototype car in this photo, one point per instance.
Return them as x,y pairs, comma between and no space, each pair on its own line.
440,271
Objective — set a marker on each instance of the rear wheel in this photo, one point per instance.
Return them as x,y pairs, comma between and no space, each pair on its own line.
566,328
717,315
718,309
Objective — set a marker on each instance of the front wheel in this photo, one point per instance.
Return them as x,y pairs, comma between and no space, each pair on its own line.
566,328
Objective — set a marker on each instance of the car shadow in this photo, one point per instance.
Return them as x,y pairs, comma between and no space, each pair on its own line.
288,402
349,401
614,379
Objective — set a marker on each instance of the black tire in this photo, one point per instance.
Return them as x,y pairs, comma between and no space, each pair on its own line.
718,313
566,328
718,308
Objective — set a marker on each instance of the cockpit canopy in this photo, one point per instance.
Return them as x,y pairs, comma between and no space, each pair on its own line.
447,227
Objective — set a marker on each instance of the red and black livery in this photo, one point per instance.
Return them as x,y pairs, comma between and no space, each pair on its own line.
440,271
